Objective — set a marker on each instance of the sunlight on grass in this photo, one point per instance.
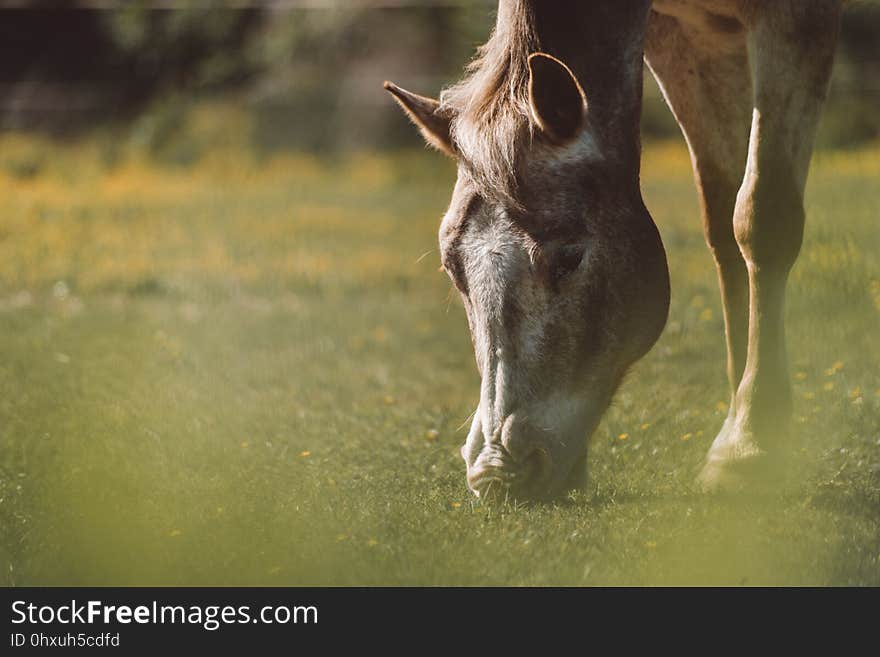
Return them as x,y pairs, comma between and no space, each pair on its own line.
250,371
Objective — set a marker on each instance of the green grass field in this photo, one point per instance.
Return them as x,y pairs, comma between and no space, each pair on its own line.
252,372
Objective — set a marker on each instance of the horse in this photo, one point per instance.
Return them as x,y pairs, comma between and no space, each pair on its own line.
559,265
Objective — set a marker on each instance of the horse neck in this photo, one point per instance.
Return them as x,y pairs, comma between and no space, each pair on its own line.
602,42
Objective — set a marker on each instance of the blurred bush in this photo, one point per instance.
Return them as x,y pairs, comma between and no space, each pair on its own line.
66,69
309,73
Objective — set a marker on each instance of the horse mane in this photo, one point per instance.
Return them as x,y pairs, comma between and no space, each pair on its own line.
490,112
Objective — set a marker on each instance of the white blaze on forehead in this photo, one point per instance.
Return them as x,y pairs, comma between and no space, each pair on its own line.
492,256
507,314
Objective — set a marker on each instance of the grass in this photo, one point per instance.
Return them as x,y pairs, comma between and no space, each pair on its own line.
251,372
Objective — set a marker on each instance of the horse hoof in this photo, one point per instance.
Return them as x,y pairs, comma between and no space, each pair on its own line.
754,472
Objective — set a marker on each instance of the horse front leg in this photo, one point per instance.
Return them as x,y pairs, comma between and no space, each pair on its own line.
791,48
707,83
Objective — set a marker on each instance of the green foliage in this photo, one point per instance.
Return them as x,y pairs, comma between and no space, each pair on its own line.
202,44
313,76
848,123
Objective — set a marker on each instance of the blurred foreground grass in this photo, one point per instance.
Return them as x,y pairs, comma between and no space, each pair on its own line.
251,372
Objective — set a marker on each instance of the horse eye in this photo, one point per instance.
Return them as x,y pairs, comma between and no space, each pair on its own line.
567,258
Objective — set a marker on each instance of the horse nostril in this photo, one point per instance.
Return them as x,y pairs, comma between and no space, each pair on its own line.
496,475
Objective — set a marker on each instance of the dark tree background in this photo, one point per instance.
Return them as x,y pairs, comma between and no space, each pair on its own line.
310,72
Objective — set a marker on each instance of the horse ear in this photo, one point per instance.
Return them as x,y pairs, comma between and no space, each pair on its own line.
425,113
558,103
